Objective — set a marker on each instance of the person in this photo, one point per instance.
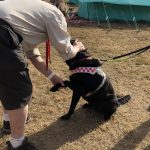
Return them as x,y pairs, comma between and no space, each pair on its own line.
62,6
24,24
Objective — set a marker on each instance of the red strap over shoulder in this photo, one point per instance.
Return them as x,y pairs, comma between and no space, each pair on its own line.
47,53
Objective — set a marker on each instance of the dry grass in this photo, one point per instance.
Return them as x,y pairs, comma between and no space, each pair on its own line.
129,129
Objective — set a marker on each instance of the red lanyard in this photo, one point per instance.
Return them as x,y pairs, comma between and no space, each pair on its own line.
47,53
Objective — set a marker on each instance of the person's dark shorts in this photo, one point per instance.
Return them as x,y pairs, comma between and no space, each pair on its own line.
15,83
15,89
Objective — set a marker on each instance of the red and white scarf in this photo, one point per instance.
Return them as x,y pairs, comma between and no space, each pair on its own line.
90,70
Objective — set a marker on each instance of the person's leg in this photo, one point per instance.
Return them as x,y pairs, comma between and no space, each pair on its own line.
17,121
17,140
6,121
15,100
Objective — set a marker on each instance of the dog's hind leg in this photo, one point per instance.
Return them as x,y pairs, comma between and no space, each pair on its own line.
74,102
108,115
123,100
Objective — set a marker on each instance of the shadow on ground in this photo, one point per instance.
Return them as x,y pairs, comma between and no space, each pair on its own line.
148,109
60,132
1,133
147,148
83,122
133,138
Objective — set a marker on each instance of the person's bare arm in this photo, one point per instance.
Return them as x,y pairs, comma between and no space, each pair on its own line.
40,65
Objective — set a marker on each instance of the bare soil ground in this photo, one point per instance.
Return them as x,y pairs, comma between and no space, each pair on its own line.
129,128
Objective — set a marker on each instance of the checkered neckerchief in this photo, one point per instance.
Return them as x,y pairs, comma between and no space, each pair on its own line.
91,70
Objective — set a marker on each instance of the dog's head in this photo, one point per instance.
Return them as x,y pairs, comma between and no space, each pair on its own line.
82,59
82,55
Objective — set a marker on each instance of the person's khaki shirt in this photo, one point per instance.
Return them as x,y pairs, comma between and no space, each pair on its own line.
38,21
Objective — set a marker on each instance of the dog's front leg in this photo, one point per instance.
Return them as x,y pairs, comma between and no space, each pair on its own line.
74,102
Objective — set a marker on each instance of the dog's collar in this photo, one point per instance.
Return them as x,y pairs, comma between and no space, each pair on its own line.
90,70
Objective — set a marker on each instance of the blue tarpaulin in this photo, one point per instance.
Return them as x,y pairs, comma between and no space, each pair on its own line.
104,10
120,2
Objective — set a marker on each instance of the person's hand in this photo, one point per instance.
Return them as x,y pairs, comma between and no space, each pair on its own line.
78,46
56,79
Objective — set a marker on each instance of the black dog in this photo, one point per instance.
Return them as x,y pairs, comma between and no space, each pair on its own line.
90,82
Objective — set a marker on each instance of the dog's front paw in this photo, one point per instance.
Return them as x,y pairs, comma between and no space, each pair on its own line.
65,117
